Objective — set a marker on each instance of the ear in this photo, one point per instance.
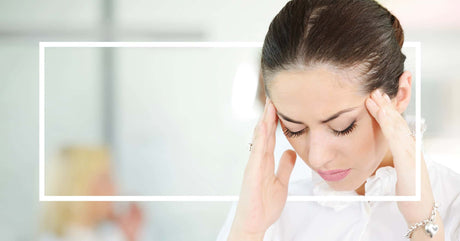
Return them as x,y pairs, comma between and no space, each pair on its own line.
402,99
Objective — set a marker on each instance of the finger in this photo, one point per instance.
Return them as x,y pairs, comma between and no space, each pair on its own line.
256,132
373,108
286,166
383,111
379,106
272,123
394,128
383,101
258,142
392,123
262,117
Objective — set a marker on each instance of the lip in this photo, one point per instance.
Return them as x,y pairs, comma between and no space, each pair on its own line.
334,175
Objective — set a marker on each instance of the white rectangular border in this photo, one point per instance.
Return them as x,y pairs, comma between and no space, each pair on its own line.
208,198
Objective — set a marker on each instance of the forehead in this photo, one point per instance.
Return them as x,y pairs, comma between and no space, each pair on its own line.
316,92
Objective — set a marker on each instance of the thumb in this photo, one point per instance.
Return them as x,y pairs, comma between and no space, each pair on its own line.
285,166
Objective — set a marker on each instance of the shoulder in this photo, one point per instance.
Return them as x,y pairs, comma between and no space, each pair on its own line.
443,176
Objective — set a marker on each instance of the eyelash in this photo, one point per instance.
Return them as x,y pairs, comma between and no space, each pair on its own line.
347,131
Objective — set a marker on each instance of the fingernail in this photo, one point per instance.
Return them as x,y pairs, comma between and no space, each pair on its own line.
375,94
378,93
266,100
387,98
371,103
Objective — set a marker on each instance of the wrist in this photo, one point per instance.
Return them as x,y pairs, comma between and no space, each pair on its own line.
242,235
429,224
418,214
415,211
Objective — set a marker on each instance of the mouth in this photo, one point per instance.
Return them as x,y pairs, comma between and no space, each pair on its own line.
334,175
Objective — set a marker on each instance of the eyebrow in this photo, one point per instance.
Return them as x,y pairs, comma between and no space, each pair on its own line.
323,121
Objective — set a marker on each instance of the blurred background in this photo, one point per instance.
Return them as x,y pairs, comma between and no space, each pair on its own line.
163,121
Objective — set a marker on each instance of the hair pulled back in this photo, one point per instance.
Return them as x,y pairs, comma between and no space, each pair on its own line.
344,33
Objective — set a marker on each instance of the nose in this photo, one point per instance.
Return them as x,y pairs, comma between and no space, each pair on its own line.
320,152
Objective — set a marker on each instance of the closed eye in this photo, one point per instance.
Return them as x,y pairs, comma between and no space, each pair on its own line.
290,134
346,131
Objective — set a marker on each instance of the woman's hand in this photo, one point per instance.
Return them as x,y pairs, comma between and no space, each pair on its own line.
263,194
130,222
402,147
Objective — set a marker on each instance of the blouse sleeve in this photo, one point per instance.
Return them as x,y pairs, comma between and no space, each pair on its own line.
225,229
446,188
452,221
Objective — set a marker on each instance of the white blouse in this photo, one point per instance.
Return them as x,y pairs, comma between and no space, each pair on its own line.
353,221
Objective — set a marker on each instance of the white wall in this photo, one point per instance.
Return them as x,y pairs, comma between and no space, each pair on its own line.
143,140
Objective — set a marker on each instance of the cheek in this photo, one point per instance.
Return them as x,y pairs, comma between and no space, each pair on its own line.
367,137
300,147
297,143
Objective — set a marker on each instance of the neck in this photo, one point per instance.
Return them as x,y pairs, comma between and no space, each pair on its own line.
387,161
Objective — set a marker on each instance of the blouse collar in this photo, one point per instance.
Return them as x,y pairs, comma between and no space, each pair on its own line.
382,183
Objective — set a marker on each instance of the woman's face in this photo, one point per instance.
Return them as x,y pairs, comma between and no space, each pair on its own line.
334,128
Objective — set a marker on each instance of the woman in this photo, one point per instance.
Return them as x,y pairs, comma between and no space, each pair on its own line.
334,77
86,170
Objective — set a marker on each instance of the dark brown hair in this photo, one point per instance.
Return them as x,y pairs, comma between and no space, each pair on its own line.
343,33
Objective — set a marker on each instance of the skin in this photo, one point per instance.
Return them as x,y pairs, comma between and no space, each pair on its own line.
301,96
309,96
